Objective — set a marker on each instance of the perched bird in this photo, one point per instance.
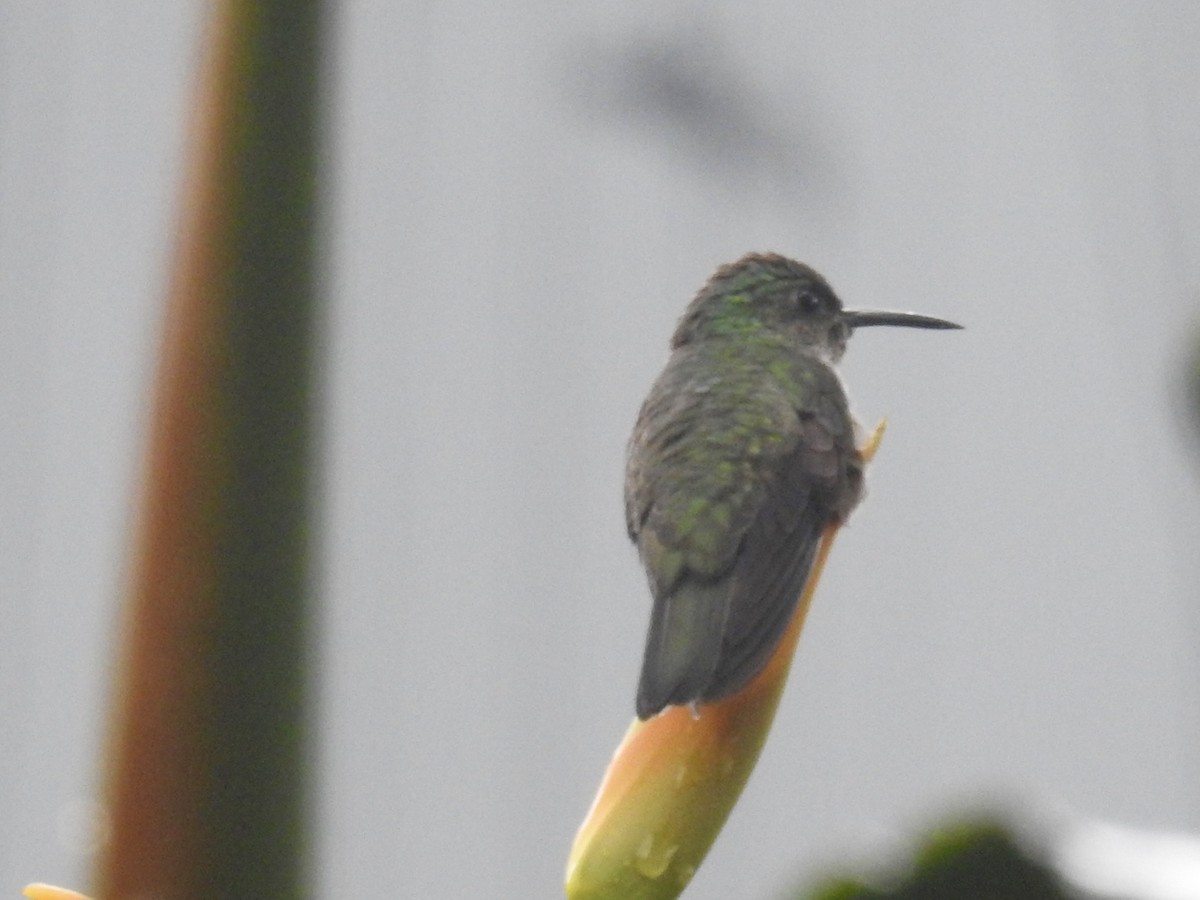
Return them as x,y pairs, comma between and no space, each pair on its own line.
743,452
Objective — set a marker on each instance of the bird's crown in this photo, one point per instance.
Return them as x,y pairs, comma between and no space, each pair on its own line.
760,290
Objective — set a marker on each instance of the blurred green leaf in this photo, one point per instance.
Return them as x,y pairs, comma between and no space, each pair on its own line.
973,860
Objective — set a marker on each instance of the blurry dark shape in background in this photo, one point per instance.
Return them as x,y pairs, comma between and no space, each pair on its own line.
978,859
1192,376
992,857
685,89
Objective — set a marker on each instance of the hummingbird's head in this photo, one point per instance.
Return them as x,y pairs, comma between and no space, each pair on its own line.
768,293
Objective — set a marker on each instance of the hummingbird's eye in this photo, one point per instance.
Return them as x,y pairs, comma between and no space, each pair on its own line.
807,302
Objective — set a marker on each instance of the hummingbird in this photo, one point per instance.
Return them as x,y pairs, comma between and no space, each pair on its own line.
743,452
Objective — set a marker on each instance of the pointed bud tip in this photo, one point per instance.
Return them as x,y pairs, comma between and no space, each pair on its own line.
40,891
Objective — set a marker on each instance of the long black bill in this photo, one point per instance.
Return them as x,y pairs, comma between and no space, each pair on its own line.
859,318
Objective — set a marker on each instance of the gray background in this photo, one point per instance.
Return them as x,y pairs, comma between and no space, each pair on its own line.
523,197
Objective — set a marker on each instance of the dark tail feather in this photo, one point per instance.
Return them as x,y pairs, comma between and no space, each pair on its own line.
751,642
683,646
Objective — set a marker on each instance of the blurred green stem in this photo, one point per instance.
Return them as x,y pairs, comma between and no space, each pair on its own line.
209,764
